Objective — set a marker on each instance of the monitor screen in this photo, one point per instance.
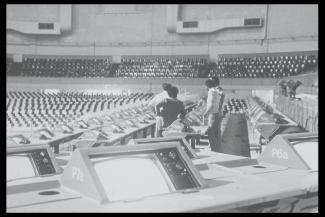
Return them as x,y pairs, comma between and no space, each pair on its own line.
142,120
107,130
127,113
281,121
118,115
266,118
130,123
66,128
149,116
193,119
257,115
101,132
81,124
131,177
308,151
96,121
10,142
286,130
46,133
88,135
19,166
117,128
20,139
108,118
255,109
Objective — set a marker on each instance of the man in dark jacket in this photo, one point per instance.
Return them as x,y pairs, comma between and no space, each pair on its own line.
170,109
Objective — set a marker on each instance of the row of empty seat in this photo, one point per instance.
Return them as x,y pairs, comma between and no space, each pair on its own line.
262,67
235,106
37,109
161,67
8,65
165,67
60,67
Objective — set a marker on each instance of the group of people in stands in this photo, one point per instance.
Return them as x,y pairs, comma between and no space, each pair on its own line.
168,109
289,87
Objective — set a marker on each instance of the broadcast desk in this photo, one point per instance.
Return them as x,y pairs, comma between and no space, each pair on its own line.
142,131
230,187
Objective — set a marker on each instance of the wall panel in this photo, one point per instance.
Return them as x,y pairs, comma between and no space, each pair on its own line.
146,24
293,20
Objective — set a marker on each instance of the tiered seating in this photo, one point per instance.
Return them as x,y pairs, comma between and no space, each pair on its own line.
237,106
166,67
8,65
12,68
60,67
37,109
160,67
262,66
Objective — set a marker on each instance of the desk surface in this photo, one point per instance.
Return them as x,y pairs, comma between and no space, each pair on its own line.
228,188
130,131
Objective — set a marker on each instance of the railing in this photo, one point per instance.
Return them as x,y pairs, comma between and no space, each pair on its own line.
197,41
302,112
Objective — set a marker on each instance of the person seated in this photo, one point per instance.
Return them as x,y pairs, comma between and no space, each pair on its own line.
290,85
294,88
170,109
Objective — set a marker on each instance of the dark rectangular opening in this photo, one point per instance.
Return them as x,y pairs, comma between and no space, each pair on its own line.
252,21
190,24
45,25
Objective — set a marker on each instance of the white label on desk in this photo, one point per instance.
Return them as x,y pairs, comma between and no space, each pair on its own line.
279,153
77,174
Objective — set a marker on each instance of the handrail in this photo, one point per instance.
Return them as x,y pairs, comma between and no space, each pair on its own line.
304,114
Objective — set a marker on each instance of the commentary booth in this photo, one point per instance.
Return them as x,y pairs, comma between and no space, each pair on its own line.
270,122
160,176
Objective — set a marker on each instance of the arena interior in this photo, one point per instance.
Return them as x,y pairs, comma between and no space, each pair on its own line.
79,80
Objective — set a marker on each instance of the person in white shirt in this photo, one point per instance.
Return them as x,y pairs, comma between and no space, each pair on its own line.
214,112
154,101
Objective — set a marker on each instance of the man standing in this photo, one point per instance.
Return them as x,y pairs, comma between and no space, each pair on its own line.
170,109
214,112
157,99
283,86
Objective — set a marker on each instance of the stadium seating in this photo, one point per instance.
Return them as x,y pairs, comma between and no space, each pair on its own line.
235,106
8,65
61,67
262,66
37,109
13,68
163,67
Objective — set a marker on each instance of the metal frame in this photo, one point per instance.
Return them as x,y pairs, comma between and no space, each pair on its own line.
166,139
26,148
89,153
293,136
